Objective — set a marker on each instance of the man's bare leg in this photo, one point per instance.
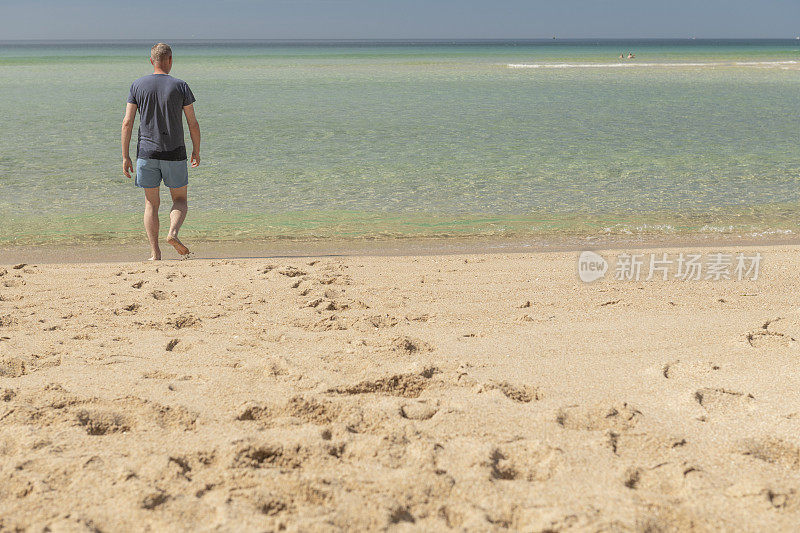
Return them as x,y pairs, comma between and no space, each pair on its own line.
176,217
151,203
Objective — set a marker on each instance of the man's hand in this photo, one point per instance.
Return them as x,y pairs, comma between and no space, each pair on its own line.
194,133
127,129
127,166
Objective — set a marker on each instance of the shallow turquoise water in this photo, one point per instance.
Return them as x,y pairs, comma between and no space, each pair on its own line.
401,139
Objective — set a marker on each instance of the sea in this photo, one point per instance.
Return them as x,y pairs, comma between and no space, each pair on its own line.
354,140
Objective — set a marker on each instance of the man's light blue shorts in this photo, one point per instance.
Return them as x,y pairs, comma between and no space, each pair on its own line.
150,172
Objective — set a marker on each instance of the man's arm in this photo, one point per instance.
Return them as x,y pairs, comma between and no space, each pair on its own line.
194,133
127,129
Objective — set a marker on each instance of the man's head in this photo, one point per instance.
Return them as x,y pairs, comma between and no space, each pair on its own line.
161,57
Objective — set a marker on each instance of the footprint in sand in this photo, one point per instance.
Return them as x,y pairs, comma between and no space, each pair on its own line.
377,322
525,460
406,385
6,394
313,303
291,272
54,405
782,499
185,320
409,345
256,412
332,294
686,369
266,269
172,276
334,279
723,400
516,393
13,367
101,422
645,446
329,323
309,410
7,321
71,523
520,459
772,333
273,506
159,374
324,304
771,450
129,309
419,410
153,499
293,452
631,478
260,456
616,417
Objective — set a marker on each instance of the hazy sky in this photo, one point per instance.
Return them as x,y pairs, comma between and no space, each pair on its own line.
358,19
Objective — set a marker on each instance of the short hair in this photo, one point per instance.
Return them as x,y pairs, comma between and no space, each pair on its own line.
160,52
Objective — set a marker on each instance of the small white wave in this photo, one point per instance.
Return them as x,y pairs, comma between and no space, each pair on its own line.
634,65
772,232
716,229
764,63
629,229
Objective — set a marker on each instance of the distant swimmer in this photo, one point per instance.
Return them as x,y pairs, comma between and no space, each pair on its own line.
631,55
622,56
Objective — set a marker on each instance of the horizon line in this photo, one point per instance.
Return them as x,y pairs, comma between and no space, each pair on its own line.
402,39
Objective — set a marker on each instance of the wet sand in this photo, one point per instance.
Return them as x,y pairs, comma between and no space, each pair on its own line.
474,392
110,251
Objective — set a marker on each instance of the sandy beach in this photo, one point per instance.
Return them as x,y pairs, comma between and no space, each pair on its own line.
470,392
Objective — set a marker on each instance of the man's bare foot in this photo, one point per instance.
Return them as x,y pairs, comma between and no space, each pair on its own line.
178,245
154,258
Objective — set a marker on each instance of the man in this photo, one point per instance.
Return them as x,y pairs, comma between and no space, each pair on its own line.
160,149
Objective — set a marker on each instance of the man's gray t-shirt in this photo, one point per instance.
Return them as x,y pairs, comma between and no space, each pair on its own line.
160,99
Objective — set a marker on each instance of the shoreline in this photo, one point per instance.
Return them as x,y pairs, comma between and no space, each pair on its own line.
388,247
